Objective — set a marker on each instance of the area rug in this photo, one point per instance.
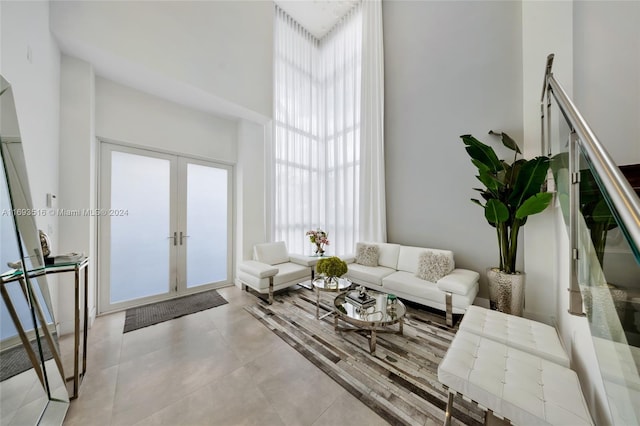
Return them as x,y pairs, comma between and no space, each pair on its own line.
155,313
399,382
15,360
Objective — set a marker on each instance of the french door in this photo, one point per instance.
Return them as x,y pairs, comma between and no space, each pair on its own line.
164,226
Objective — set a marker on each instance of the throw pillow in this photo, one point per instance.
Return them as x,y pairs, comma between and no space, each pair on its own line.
433,266
367,254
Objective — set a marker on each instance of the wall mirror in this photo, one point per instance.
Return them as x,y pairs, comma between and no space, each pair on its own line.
32,384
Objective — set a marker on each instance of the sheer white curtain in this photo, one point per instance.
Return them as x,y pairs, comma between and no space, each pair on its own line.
340,74
317,164
298,150
373,217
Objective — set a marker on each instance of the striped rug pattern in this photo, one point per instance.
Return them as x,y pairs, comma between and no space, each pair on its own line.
399,382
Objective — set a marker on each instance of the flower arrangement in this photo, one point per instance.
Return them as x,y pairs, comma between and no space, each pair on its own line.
331,267
319,238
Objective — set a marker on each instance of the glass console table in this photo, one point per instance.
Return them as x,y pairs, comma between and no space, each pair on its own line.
78,268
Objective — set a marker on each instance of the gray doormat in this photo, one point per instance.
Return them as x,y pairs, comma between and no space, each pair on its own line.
154,313
399,382
15,360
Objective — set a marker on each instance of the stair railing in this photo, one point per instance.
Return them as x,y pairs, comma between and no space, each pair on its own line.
602,212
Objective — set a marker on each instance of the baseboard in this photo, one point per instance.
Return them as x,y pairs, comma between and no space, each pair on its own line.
482,302
13,341
535,316
92,316
66,327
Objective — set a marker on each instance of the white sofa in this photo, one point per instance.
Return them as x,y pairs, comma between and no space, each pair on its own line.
396,274
273,268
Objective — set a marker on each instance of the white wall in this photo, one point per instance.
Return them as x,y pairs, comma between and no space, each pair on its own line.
77,178
250,189
35,84
222,64
451,68
24,27
224,48
126,115
607,73
93,106
546,28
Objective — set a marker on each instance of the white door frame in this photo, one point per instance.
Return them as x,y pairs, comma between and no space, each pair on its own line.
177,262
183,162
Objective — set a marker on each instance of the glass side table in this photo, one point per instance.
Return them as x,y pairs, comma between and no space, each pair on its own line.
78,268
337,285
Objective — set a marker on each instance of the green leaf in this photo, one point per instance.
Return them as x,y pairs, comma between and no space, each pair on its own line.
529,181
496,212
534,204
331,266
482,153
601,212
589,190
507,141
510,143
488,195
489,181
476,201
558,162
481,166
513,171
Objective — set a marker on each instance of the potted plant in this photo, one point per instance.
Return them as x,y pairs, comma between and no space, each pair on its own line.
512,192
332,268
599,220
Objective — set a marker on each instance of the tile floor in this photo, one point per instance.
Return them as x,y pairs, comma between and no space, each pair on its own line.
216,367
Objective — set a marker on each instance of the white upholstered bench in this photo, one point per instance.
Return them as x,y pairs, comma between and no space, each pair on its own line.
520,333
515,385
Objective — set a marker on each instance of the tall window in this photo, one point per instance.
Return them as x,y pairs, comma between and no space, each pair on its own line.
316,144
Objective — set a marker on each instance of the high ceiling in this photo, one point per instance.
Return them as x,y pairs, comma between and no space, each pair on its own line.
317,16
144,45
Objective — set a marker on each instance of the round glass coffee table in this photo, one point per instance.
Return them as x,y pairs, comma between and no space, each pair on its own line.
374,319
337,285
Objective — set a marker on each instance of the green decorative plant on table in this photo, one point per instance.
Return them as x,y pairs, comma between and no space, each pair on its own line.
332,268
512,192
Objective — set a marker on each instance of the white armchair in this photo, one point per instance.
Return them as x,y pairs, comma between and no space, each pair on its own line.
273,268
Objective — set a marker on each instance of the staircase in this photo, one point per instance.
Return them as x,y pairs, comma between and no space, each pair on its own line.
632,173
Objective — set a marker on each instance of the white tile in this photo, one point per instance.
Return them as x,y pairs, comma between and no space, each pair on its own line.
219,366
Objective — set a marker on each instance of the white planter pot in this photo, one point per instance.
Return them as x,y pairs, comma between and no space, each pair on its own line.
506,291
605,307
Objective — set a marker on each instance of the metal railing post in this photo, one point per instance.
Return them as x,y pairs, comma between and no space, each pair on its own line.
575,298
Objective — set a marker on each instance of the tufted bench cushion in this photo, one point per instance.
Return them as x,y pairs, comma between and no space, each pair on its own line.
516,385
520,333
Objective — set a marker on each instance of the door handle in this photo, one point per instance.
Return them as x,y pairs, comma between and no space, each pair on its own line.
181,237
175,238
